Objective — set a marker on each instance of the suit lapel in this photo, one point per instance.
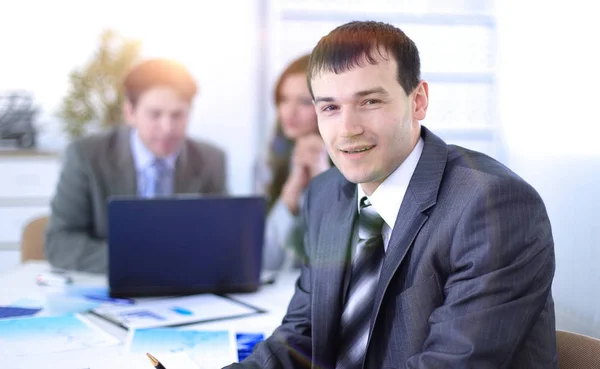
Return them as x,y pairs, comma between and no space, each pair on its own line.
330,260
188,176
124,173
420,196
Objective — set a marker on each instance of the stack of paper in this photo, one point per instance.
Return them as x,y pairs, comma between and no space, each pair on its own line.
208,349
173,311
72,342
97,360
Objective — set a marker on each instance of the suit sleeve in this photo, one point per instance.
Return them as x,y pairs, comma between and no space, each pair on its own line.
502,266
69,244
290,345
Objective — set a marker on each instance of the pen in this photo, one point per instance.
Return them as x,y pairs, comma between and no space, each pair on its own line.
52,279
155,362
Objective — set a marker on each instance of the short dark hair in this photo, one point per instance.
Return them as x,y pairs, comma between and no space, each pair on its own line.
350,44
159,72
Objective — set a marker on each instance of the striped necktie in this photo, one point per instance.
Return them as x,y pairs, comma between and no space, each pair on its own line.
366,265
157,179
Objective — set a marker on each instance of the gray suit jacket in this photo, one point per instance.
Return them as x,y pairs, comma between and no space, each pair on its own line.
466,280
100,166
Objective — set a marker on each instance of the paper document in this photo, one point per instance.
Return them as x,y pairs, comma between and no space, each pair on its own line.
246,343
96,360
56,303
173,311
179,360
17,311
208,349
44,335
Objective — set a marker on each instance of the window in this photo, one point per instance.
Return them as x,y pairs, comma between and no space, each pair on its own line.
456,44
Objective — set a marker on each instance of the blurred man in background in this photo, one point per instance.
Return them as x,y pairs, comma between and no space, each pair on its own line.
150,156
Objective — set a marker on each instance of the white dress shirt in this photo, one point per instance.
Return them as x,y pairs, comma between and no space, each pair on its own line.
388,197
143,160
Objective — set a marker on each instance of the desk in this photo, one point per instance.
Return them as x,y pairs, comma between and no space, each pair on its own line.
20,283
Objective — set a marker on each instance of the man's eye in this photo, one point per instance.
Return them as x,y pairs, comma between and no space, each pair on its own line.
329,108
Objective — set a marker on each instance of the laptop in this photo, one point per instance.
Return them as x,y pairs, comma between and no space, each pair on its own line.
184,245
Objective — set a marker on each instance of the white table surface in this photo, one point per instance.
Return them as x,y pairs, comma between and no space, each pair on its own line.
19,283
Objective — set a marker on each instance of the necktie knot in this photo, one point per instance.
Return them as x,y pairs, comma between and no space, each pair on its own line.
157,178
161,167
370,222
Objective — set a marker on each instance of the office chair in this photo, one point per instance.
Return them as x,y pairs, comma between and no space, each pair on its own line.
32,240
576,351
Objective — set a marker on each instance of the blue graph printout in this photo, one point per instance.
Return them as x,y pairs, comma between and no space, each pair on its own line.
49,334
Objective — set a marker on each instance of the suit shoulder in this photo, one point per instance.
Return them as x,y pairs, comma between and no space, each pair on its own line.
482,170
93,144
206,148
460,158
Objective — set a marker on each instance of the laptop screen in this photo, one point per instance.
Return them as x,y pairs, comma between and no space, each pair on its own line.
185,245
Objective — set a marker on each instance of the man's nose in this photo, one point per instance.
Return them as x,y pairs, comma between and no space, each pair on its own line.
350,124
167,124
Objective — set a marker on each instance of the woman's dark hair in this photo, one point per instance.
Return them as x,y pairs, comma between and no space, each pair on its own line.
280,150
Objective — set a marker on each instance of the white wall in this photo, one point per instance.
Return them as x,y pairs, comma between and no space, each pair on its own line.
42,41
548,75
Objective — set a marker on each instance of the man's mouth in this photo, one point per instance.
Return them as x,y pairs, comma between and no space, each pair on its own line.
358,149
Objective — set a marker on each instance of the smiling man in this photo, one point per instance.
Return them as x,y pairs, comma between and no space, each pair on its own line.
149,157
420,254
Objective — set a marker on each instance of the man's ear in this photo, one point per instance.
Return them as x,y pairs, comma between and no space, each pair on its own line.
420,100
128,112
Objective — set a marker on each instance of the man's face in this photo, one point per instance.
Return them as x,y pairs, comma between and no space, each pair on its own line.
160,117
367,121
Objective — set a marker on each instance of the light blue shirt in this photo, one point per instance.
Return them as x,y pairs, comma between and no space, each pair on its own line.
147,172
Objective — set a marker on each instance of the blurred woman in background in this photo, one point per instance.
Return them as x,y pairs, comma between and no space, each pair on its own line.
296,155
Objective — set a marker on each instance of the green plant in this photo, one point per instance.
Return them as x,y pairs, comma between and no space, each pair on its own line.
95,97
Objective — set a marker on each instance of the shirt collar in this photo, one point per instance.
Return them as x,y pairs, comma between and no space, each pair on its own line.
388,197
143,157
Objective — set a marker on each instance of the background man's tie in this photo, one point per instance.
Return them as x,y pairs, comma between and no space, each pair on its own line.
366,265
157,183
